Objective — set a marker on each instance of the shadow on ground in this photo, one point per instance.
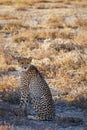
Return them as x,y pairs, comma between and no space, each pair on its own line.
69,116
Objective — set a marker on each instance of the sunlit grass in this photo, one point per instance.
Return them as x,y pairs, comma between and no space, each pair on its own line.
56,22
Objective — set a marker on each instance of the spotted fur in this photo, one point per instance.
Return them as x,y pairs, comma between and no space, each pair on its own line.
35,86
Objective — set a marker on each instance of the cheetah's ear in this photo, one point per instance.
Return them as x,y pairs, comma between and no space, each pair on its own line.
18,59
30,59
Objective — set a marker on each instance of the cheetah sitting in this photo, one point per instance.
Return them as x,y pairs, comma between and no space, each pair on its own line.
34,86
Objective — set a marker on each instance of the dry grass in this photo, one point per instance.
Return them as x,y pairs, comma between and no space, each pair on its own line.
12,26
81,40
19,1
8,82
6,60
56,22
9,89
22,7
41,34
7,17
81,3
66,33
82,23
43,5
1,43
33,35
67,71
5,1
26,40
71,83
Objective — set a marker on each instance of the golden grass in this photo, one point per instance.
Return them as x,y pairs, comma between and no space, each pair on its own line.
82,3
22,7
66,33
1,43
71,83
56,22
26,41
42,34
25,36
81,40
18,1
2,62
43,5
5,1
9,88
82,23
8,82
7,17
12,26
6,60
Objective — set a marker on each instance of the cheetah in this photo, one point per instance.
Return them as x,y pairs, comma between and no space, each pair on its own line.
33,86
24,63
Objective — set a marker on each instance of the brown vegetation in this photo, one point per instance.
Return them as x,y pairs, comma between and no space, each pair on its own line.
56,22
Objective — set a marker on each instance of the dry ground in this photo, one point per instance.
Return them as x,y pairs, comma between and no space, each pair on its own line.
54,34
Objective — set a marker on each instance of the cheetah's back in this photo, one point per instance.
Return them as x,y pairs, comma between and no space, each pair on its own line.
41,98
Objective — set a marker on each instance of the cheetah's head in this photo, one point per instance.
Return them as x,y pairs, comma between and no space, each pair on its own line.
24,62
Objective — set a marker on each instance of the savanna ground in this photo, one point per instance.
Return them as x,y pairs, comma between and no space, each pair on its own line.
54,34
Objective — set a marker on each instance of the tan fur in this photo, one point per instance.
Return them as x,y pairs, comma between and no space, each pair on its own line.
34,85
